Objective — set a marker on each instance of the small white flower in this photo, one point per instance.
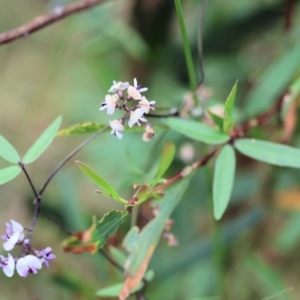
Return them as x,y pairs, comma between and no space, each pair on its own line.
110,103
118,86
146,105
149,133
135,94
8,265
136,90
116,127
136,116
138,87
28,264
14,234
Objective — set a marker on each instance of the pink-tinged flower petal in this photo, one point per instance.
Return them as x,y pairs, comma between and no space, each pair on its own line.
145,105
134,93
116,127
8,265
136,117
110,103
28,264
148,134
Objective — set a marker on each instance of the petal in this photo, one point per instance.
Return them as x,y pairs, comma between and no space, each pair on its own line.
10,243
119,135
33,261
16,226
10,267
116,125
110,110
135,82
135,94
22,267
142,90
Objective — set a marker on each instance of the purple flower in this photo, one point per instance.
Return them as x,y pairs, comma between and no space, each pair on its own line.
45,256
14,234
28,264
8,265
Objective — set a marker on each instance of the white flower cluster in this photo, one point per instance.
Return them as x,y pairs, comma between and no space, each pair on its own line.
28,263
135,113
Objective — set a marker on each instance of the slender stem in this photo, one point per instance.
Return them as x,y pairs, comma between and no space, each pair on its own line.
22,166
57,14
111,260
187,49
54,222
134,215
68,157
37,201
200,48
39,194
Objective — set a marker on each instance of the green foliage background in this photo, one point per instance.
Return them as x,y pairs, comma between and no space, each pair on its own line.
252,253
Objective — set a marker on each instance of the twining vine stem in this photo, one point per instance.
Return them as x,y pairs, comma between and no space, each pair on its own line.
38,23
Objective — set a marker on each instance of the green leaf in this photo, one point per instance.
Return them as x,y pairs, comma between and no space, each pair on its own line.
217,119
9,173
228,109
96,236
106,188
146,242
81,128
273,82
167,158
186,46
275,154
8,152
223,180
43,142
92,127
114,290
197,131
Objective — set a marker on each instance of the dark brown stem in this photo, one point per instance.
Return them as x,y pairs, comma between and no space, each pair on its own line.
57,14
187,170
240,130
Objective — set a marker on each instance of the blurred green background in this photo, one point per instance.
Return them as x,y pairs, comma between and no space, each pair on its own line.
66,69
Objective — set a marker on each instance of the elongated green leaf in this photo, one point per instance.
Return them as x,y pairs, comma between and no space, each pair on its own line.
167,158
92,127
43,142
114,290
273,82
223,180
108,190
8,152
228,122
147,240
197,131
96,236
81,128
275,154
9,173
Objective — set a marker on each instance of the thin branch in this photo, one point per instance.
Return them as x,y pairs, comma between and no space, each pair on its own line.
111,260
57,14
240,130
22,166
75,151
